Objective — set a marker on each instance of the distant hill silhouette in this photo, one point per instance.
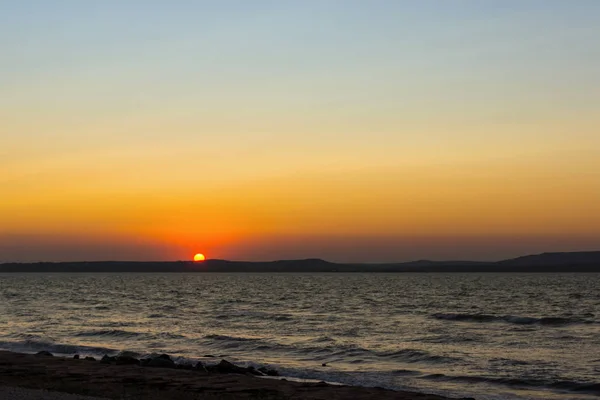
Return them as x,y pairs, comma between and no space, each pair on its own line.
546,262
579,258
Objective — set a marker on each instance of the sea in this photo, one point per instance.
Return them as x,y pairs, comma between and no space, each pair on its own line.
480,335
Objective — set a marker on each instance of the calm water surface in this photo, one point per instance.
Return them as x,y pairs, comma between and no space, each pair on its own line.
489,336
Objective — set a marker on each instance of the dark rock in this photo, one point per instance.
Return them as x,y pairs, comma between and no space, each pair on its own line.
225,367
89,359
184,366
160,362
127,360
252,370
106,359
44,353
209,356
200,367
128,354
324,365
76,357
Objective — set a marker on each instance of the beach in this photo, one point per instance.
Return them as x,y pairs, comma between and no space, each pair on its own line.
110,381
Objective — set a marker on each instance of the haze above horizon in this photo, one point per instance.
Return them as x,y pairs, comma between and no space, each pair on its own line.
352,131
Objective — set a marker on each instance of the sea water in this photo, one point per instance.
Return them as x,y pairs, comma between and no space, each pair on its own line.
487,336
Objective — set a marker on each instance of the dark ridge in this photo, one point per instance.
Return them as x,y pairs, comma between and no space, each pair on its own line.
547,262
550,259
427,263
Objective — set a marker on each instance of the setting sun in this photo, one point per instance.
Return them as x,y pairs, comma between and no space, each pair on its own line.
199,257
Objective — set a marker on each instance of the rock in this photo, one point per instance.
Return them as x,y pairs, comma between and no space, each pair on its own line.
200,367
324,365
251,370
76,357
225,367
108,359
187,366
209,356
89,359
127,360
44,353
162,361
128,354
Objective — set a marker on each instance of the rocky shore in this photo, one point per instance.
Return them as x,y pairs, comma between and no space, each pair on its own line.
127,377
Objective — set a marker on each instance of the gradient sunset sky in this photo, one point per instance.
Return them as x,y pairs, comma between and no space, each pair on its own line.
346,130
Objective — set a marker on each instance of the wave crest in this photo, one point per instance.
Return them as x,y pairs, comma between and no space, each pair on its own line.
33,345
512,319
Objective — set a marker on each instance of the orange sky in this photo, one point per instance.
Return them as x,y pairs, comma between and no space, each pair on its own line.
384,134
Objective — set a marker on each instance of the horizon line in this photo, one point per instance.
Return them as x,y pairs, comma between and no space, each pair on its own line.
296,259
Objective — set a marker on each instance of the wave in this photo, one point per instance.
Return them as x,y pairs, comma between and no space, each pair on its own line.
466,338
414,356
122,334
512,319
322,339
566,385
231,338
33,345
406,372
110,332
259,315
509,362
348,353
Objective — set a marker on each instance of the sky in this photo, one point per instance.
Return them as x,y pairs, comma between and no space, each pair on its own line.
362,131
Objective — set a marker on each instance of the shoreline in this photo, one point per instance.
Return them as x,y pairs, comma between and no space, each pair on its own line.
162,379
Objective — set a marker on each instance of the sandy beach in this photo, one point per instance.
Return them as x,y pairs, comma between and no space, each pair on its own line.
35,373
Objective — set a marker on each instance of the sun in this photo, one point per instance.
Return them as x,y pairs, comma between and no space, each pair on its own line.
199,257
